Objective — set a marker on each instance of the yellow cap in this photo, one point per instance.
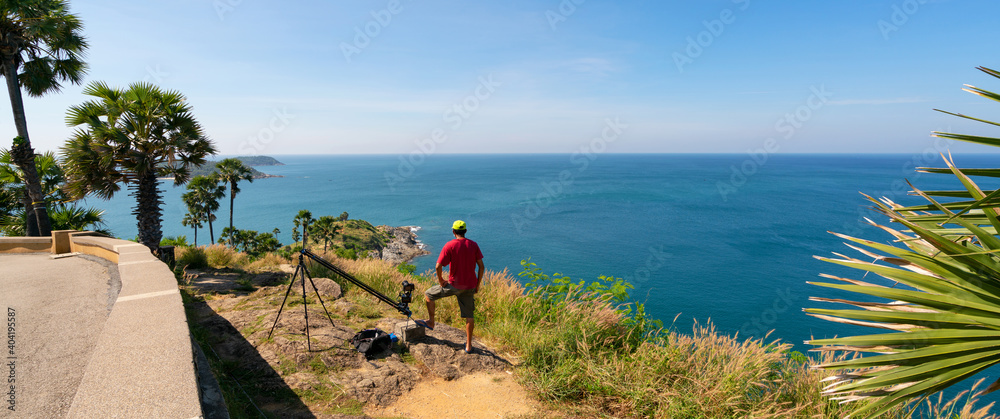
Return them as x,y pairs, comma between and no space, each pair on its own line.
458,225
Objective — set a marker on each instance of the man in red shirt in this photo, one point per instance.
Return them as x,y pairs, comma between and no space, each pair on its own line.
463,257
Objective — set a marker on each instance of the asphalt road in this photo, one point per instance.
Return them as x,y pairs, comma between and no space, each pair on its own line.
55,310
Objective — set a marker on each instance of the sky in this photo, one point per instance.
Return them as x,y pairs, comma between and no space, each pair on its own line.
547,76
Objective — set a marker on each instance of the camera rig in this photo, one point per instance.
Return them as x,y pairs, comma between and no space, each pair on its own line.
405,296
403,305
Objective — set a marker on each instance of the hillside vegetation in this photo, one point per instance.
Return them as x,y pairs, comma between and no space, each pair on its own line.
587,351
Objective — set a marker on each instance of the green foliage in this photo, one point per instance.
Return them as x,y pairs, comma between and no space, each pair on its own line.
113,145
558,291
46,44
324,229
302,218
231,172
290,251
406,268
64,213
343,216
179,241
202,200
245,284
944,319
259,161
251,242
346,253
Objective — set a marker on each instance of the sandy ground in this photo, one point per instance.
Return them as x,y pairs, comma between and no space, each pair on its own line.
473,396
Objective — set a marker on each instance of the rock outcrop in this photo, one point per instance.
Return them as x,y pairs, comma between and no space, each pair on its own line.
403,245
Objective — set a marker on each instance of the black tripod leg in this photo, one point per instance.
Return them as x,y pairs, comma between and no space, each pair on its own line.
290,284
320,297
305,307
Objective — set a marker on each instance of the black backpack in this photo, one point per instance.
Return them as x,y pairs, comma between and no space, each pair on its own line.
371,342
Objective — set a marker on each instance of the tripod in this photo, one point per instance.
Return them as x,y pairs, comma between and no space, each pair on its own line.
302,271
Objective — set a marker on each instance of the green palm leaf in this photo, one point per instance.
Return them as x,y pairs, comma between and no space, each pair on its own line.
944,322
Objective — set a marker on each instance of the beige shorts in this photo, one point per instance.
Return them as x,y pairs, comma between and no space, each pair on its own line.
466,298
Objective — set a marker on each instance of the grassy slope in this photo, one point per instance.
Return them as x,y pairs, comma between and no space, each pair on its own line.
586,358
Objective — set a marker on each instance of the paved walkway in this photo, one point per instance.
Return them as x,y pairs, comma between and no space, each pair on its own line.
59,308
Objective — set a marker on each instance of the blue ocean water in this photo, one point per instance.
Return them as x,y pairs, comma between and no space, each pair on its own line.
726,238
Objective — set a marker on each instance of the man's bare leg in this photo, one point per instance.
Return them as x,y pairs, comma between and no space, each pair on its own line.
470,324
430,311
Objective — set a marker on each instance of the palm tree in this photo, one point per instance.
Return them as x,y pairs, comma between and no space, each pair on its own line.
132,137
192,219
303,218
325,228
75,217
40,46
203,197
50,177
63,214
945,320
232,171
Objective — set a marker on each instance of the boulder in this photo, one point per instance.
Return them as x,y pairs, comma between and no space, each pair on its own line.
328,288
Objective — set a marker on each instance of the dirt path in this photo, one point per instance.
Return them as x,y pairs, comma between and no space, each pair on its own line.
473,396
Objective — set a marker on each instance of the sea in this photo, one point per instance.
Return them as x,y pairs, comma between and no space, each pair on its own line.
726,239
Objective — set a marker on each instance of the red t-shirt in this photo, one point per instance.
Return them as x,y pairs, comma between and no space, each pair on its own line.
461,255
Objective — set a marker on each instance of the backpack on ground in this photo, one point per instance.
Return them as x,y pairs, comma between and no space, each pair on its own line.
371,342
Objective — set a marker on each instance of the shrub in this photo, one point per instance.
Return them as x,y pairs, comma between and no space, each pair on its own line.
220,256
346,253
192,257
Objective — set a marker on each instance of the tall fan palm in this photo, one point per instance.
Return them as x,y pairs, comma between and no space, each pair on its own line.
232,171
325,229
193,220
946,317
303,218
40,46
203,197
133,136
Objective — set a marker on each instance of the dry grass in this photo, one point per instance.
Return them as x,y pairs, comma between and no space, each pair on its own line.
220,256
268,262
589,360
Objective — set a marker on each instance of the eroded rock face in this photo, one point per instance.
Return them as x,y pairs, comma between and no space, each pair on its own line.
442,350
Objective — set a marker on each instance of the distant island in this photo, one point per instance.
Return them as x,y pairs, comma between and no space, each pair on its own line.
259,161
209,167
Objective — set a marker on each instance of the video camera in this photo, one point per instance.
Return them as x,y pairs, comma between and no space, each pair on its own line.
406,295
